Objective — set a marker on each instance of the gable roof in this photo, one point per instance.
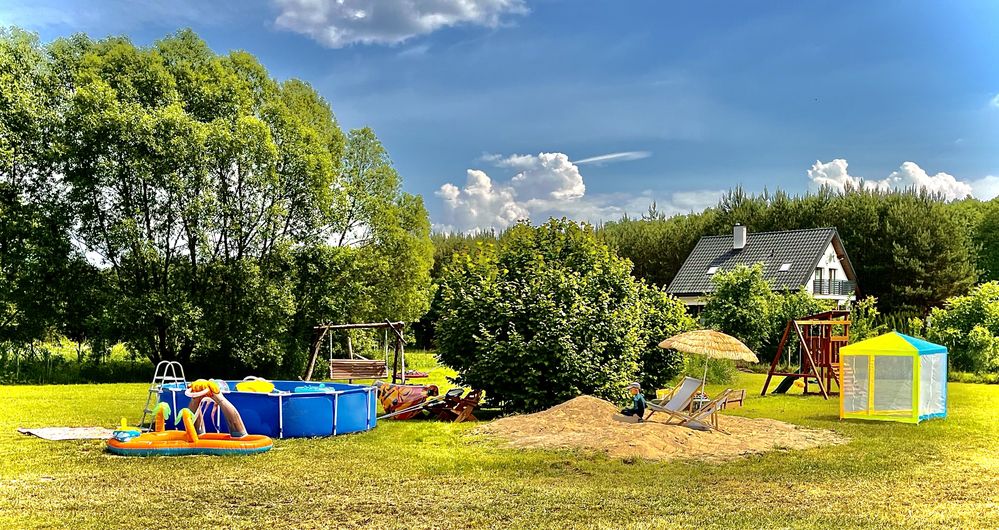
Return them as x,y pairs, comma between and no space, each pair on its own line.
801,248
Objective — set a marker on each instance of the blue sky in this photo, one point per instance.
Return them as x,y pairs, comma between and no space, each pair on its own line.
695,97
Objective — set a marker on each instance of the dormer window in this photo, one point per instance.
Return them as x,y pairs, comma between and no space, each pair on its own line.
712,270
785,267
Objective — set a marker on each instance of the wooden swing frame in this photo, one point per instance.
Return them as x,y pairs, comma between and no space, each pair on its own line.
818,348
355,361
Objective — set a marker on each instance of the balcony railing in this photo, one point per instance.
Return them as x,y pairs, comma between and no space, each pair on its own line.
833,287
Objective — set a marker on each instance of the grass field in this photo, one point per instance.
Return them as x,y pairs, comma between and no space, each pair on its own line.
433,475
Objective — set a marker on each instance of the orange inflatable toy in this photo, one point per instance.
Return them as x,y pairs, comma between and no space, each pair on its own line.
192,440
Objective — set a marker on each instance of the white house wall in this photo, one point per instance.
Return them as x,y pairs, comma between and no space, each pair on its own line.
829,262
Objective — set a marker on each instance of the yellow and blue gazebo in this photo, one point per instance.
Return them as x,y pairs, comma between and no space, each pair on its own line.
893,377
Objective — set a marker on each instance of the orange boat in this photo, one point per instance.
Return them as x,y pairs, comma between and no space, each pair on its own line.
189,441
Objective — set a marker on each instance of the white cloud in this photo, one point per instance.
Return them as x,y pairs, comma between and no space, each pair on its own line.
623,156
986,187
480,204
513,161
339,23
548,176
835,174
994,101
546,185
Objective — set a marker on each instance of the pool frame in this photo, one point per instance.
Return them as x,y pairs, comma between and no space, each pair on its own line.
337,409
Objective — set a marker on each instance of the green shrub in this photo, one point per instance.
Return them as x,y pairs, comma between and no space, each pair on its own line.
63,371
549,313
744,305
789,306
720,371
662,316
969,327
865,320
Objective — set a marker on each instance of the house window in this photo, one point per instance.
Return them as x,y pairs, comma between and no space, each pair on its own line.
785,267
712,270
818,274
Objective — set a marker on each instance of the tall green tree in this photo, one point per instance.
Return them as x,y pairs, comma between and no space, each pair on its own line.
212,197
986,236
40,269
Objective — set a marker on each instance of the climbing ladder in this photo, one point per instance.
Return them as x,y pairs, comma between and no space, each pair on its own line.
166,372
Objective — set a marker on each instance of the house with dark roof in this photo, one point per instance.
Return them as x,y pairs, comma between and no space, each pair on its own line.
813,258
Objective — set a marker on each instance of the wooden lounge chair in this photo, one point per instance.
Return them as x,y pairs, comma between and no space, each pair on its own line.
677,401
707,415
459,409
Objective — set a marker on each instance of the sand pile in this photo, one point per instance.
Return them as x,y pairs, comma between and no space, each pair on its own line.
588,423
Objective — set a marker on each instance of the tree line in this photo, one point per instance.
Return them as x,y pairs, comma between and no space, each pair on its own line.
917,259
190,205
911,249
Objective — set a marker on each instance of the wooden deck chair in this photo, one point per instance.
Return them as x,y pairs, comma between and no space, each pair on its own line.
678,401
707,415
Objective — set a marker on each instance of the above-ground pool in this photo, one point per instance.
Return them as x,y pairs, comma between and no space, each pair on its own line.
284,413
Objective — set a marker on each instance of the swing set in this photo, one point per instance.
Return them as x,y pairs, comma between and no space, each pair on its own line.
357,366
819,338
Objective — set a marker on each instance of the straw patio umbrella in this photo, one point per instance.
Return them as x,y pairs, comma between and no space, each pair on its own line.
712,344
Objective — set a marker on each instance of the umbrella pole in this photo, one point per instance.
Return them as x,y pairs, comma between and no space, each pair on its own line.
705,378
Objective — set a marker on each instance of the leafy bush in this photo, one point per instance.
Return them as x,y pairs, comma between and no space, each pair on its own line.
969,327
62,361
720,371
865,320
743,305
789,306
662,316
549,313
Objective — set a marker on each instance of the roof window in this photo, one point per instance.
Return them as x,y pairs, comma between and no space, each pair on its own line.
785,267
712,270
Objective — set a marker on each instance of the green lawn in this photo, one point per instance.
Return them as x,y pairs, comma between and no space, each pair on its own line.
422,474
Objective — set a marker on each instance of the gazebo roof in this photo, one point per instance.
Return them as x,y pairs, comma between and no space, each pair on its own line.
893,343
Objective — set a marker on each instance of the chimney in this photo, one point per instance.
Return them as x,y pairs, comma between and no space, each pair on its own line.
738,237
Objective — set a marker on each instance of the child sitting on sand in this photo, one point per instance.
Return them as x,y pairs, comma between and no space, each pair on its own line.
637,407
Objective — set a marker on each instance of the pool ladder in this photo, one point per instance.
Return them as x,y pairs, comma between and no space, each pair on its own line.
166,372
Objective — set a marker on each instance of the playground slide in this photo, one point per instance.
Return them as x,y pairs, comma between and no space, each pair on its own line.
785,385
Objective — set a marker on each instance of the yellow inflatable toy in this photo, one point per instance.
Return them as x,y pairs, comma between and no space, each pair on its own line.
255,384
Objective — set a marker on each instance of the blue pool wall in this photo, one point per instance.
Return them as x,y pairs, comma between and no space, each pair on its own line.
337,409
